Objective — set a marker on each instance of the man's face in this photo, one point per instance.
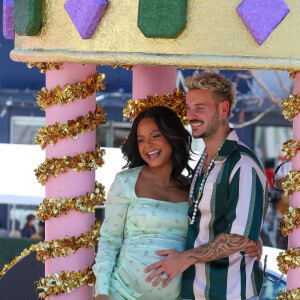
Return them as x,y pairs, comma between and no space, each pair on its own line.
202,113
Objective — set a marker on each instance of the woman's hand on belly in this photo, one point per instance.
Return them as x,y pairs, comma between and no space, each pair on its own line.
101,297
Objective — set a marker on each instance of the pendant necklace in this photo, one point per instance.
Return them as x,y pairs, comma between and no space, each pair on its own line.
158,182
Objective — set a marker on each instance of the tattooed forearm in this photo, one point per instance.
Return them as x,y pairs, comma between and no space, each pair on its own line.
222,246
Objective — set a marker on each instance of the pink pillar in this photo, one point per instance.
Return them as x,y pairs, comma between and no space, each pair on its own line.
148,81
71,184
293,275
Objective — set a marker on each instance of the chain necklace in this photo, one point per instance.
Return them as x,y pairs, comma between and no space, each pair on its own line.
205,175
158,182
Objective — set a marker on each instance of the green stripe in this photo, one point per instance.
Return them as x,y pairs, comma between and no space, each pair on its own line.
252,204
266,200
243,278
256,210
233,199
218,271
257,278
246,151
207,276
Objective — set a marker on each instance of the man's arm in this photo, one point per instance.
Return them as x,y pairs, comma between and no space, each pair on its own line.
176,262
223,245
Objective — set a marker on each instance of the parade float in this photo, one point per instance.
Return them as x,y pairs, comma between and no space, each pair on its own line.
67,39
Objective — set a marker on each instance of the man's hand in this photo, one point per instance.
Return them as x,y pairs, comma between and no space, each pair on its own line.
174,264
254,249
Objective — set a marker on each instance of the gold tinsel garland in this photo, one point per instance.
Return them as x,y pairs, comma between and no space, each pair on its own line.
126,67
291,182
290,147
66,245
85,204
80,162
43,66
289,294
59,247
290,220
56,284
24,253
70,92
291,107
292,74
289,258
52,133
176,102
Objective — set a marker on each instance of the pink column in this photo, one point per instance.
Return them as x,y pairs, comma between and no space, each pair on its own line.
293,275
148,81
71,184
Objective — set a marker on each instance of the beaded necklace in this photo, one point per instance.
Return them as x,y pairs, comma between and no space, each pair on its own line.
205,175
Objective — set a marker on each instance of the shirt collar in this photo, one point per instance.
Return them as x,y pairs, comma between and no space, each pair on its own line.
228,146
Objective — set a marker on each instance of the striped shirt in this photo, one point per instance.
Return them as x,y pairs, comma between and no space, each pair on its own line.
234,200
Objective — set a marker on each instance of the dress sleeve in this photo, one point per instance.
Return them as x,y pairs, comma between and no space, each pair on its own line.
246,204
111,238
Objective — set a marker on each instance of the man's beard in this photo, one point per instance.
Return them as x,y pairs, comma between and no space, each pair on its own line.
211,129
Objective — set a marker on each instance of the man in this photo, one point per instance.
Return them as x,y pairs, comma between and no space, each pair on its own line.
228,203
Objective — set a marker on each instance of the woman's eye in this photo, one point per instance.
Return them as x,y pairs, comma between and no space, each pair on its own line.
156,136
140,141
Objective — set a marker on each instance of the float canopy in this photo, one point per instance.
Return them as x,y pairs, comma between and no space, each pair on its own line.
214,37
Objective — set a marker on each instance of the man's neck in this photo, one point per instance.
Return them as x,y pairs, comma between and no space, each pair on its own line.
214,142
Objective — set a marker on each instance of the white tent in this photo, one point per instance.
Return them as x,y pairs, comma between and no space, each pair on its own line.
18,184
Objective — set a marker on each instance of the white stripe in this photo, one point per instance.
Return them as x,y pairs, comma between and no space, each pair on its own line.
203,236
234,275
243,204
249,267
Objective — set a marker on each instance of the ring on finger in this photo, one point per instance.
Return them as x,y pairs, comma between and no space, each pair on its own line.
164,276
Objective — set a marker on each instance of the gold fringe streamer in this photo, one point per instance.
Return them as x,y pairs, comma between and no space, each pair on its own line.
65,282
52,133
292,74
176,102
290,147
291,182
289,294
59,247
289,258
85,204
291,107
43,66
80,162
70,92
291,219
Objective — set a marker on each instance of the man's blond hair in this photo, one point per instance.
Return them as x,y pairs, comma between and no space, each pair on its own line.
223,88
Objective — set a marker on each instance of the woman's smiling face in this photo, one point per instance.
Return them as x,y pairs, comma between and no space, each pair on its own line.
154,148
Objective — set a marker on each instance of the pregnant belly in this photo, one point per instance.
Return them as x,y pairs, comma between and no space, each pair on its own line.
128,279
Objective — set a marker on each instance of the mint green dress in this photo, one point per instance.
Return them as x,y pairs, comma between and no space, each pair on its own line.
133,229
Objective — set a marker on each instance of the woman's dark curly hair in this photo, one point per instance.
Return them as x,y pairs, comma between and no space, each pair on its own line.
172,129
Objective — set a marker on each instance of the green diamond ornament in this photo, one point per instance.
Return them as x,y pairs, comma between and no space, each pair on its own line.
162,18
28,17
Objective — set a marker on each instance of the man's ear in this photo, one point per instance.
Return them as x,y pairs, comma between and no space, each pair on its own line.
224,108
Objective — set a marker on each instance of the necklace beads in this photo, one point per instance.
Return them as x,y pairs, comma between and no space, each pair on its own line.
205,175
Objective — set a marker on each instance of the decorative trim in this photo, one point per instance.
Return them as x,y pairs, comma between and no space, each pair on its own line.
80,162
51,134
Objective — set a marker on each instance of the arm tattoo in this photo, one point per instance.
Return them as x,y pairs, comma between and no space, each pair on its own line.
222,246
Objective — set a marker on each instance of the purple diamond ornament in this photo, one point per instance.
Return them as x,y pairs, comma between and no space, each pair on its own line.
85,15
8,19
261,17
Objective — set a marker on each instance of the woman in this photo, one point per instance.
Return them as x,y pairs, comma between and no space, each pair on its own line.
146,208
